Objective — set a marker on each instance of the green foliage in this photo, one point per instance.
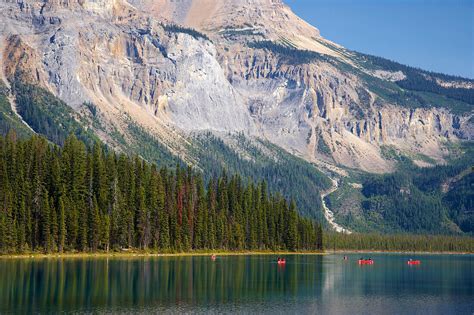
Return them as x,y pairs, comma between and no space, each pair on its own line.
435,200
8,120
399,242
150,148
77,198
402,205
48,115
235,32
323,147
420,80
418,199
173,28
290,54
285,173
460,202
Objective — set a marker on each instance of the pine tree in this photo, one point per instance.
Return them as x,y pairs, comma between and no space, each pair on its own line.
164,241
114,201
211,203
200,229
79,199
292,228
61,225
94,226
105,232
54,226
46,224
143,220
99,177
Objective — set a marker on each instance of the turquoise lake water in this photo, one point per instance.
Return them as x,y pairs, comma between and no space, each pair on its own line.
442,284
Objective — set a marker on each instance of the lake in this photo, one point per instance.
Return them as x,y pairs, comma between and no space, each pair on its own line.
442,284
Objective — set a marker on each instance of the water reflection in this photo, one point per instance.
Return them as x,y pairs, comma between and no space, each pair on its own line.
324,284
85,284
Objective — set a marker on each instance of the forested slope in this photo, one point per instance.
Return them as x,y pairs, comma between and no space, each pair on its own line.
413,199
55,199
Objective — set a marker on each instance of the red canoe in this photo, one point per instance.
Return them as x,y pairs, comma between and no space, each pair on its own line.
414,262
281,262
366,262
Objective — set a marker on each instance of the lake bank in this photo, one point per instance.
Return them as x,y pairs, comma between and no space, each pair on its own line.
150,254
396,252
138,254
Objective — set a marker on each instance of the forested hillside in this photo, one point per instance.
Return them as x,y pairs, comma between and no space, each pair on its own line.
47,115
421,80
55,199
261,160
412,199
8,119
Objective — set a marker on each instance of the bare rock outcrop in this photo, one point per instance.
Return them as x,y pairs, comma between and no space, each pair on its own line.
117,55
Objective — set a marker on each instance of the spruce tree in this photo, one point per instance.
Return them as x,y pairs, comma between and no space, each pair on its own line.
61,225
77,199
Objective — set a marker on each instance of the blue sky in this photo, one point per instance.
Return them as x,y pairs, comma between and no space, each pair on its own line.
435,35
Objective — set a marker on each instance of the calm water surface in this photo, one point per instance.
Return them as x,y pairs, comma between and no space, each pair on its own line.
244,284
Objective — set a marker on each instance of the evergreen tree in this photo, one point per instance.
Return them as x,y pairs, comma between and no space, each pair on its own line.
61,225
79,199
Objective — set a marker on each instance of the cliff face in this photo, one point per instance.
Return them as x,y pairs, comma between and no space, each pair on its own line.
117,55
258,19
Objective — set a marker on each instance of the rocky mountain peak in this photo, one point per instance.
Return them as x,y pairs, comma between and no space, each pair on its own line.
107,8
246,20
172,80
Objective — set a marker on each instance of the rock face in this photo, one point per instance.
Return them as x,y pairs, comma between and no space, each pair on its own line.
269,19
119,56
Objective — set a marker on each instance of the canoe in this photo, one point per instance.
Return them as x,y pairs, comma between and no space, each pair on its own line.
366,262
414,262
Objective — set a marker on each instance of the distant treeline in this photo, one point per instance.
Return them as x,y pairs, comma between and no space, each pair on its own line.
424,81
291,54
405,242
47,114
413,200
173,28
55,199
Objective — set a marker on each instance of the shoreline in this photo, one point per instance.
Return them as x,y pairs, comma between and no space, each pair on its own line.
138,254
417,252
152,255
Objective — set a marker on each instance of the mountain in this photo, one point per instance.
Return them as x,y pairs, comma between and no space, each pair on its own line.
241,84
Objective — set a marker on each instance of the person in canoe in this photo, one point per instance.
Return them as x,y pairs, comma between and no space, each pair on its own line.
213,257
281,261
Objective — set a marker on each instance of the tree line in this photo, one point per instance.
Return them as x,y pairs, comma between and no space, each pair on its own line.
398,242
79,198
414,200
424,81
291,54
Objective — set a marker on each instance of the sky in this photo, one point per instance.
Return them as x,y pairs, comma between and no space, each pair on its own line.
436,35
